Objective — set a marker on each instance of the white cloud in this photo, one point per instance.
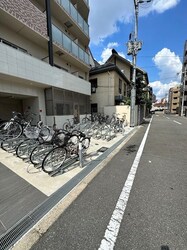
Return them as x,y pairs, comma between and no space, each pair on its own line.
107,51
161,89
169,66
162,5
105,15
105,19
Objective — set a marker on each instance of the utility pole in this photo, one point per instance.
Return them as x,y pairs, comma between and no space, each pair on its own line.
133,46
183,90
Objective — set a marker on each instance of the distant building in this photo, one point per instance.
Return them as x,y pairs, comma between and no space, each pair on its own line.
174,100
183,99
160,105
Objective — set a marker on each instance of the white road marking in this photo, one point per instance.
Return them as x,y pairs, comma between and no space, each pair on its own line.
177,122
113,227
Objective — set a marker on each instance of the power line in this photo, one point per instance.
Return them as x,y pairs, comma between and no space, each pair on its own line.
162,56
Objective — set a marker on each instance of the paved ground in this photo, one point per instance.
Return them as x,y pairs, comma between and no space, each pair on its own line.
23,187
45,183
17,198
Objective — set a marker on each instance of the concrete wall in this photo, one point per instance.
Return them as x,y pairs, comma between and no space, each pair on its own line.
21,97
24,66
120,110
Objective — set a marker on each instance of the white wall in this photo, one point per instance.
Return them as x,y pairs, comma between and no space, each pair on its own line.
121,110
21,65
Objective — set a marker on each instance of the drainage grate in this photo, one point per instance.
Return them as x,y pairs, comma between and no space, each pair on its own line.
103,149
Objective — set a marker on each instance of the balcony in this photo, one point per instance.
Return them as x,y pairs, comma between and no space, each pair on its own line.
82,7
16,66
71,12
62,40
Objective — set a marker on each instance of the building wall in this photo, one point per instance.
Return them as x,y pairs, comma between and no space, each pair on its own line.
121,111
104,95
25,75
39,72
27,13
32,49
125,67
174,101
107,89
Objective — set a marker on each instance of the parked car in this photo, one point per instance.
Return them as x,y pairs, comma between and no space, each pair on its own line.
152,111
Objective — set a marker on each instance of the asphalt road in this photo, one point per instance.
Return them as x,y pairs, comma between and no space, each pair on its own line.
155,214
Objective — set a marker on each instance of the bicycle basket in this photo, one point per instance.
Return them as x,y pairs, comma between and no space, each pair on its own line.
32,132
60,139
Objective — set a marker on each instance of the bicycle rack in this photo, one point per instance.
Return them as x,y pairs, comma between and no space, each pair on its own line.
66,164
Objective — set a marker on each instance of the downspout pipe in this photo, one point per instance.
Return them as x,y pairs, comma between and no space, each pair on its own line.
49,32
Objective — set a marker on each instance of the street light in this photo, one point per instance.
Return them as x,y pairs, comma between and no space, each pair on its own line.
133,48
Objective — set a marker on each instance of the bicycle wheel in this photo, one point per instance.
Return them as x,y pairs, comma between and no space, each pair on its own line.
44,133
66,126
85,120
10,129
85,144
73,140
11,144
39,152
54,159
25,148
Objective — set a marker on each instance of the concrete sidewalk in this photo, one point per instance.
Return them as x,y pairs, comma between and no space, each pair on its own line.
61,189
44,182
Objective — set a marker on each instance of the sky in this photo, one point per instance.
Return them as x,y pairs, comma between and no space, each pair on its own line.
162,29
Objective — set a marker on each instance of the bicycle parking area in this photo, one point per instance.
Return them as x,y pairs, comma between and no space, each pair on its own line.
46,183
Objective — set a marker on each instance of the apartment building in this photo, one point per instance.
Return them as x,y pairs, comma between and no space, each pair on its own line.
174,100
45,60
183,101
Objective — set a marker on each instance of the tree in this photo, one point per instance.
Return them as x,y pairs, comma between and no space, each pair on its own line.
140,85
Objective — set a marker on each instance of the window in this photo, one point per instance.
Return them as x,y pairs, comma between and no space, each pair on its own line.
124,92
94,108
59,109
93,85
120,86
61,102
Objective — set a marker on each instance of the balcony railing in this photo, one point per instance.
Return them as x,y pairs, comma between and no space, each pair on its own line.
69,45
72,11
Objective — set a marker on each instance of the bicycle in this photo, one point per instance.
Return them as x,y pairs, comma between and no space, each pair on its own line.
13,127
55,159
71,124
35,135
39,151
20,125
40,132
87,118
118,124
